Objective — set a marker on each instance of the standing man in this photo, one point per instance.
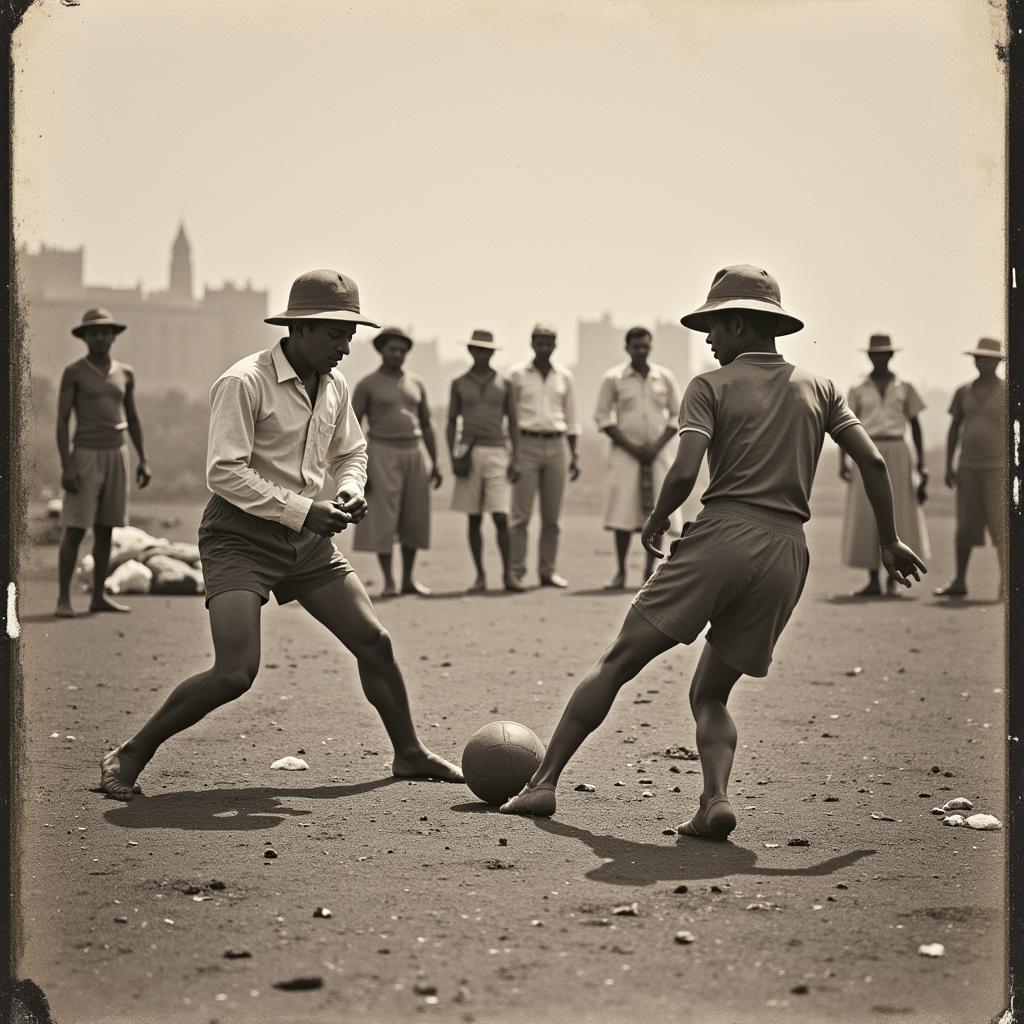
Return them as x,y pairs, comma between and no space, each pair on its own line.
395,406
885,405
545,398
637,408
481,402
280,421
979,428
94,471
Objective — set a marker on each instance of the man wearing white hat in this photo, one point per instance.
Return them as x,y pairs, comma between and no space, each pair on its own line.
742,563
100,391
978,428
281,421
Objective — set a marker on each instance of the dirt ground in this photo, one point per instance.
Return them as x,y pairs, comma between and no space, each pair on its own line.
443,909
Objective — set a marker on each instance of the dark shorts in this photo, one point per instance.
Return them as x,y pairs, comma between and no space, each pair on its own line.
739,567
240,551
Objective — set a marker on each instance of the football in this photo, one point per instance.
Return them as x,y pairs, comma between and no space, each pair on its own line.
499,760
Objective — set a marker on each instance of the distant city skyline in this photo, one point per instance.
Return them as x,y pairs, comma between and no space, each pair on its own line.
492,165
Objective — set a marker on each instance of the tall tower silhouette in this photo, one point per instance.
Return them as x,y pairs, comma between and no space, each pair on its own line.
181,266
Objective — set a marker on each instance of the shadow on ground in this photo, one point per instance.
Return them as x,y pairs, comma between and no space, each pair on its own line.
228,810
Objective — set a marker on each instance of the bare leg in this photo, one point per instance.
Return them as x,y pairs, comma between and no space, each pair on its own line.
101,559
716,743
409,585
622,538
235,626
958,588
343,607
384,557
637,644
476,549
68,559
504,536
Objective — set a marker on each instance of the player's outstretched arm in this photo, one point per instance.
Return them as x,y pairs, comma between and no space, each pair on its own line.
901,562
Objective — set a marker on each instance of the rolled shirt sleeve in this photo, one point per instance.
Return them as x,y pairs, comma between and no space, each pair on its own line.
229,452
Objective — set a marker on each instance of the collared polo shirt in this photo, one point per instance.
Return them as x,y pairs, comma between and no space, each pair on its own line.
766,420
885,416
639,406
391,403
270,450
545,404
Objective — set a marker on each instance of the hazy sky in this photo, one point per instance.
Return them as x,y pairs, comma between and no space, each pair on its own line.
491,164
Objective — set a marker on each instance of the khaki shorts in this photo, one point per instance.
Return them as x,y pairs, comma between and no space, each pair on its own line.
399,498
980,504
240,551
741,568
102,497
487,488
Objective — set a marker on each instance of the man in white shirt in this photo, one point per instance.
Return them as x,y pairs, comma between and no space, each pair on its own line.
281,420
545,398
637,408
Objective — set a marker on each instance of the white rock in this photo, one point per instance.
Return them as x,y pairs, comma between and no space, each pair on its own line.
984,822
954,820
932,949
959,804
291,764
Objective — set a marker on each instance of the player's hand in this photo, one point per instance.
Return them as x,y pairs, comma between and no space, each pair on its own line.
574,468
435,476
326,518
845,473
513,472
902,563
951,478
355,506
651,534
142,474
69,481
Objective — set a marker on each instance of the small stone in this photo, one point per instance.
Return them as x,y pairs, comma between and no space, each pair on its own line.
959,803
855,671
954,820
422,988
799,842
645,782
924,796
217,885
585,787
800,990
290,764
771,846
931,949
503,841
120,920
675,789
685,938
646,795
270,854
761,906
936,770
668,832
322,912
627,910
882,817
715,888
237,954
842,885
682,753
300,984
937,810
681,889
984,822
620,783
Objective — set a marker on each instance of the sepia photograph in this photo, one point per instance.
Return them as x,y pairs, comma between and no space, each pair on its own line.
511,512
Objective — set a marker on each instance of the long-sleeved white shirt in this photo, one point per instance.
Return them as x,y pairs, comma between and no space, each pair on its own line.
270,449
545,404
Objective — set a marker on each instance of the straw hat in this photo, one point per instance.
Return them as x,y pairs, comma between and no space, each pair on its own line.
482,339
96,318
880,343
322,295
743,287
390,334
992,348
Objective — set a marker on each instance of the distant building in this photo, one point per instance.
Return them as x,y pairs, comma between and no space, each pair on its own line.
602,346
173,340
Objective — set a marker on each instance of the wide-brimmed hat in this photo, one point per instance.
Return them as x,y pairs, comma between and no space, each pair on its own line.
992,348
482,339
743,287
322,295
880,343
391,334
96,318
543,331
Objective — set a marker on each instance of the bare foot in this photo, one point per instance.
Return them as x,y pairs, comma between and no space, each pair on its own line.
390,590
871,590
102,603
425,765
715,821
412,587
955,589
479,585
118,772
618,582
537,801
64,610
